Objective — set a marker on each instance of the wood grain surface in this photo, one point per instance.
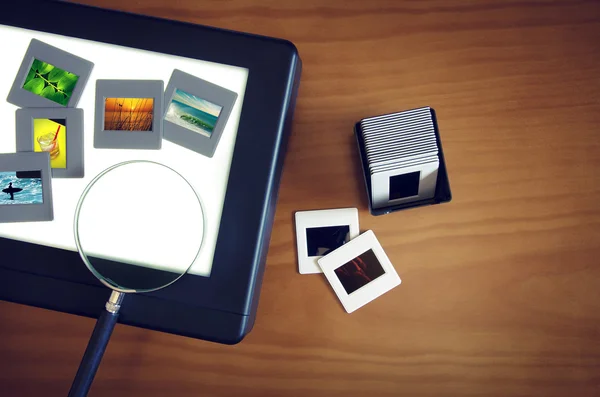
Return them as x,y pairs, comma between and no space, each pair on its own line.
501,287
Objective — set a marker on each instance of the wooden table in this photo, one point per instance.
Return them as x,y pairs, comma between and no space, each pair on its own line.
501,287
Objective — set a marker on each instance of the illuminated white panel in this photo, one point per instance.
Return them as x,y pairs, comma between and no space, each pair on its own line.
208,176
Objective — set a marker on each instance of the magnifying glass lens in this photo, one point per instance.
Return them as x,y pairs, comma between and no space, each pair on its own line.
139,226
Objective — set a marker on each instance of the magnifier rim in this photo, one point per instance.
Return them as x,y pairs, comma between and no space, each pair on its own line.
81,251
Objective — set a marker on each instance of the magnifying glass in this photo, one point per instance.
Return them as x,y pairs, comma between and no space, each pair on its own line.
139,226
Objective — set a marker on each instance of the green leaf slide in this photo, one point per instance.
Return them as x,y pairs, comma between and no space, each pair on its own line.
50,82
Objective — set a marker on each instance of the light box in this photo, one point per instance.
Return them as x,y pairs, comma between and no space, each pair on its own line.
238,185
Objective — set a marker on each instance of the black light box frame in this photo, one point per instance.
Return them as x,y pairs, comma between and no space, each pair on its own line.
222,307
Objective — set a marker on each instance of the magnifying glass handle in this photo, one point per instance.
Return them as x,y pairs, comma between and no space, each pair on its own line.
96,346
